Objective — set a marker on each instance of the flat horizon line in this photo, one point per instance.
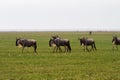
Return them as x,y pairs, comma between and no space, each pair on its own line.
59,30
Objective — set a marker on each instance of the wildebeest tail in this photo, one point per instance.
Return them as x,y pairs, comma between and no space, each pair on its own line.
69,47
35,46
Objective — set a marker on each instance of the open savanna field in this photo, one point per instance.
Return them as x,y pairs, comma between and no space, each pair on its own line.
103,64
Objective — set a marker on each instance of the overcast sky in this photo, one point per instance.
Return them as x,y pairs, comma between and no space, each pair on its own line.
59,15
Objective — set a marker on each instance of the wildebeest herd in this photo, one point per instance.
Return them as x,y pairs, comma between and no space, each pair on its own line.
57,42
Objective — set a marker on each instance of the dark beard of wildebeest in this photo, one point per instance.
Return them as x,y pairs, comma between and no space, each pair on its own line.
115,42
57,42
26,43
88,42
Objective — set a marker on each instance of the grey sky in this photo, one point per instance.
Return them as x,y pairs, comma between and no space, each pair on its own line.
60,15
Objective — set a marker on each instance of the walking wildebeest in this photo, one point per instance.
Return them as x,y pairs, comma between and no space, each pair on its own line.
60,42
87,42
52,44
26,43
115,42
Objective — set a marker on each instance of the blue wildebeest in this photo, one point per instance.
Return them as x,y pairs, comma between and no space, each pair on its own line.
87,42
57,42
26,43
115,42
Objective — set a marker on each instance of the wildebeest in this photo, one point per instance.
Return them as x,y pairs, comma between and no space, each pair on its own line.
52,44
87,42
115,42
57,42
26,43
90,33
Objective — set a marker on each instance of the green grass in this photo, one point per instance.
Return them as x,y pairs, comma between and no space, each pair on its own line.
103,64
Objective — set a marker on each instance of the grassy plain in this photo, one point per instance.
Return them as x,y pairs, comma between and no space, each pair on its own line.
103,64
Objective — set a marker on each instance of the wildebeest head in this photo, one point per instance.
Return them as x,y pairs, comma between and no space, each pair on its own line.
51,42
17,41
82,40
114,38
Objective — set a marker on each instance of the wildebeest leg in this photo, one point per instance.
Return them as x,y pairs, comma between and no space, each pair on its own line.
113,47
60,50
68,49
23,49
92,48
84,48
65,49
117,47
55,49
35,49
87,48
